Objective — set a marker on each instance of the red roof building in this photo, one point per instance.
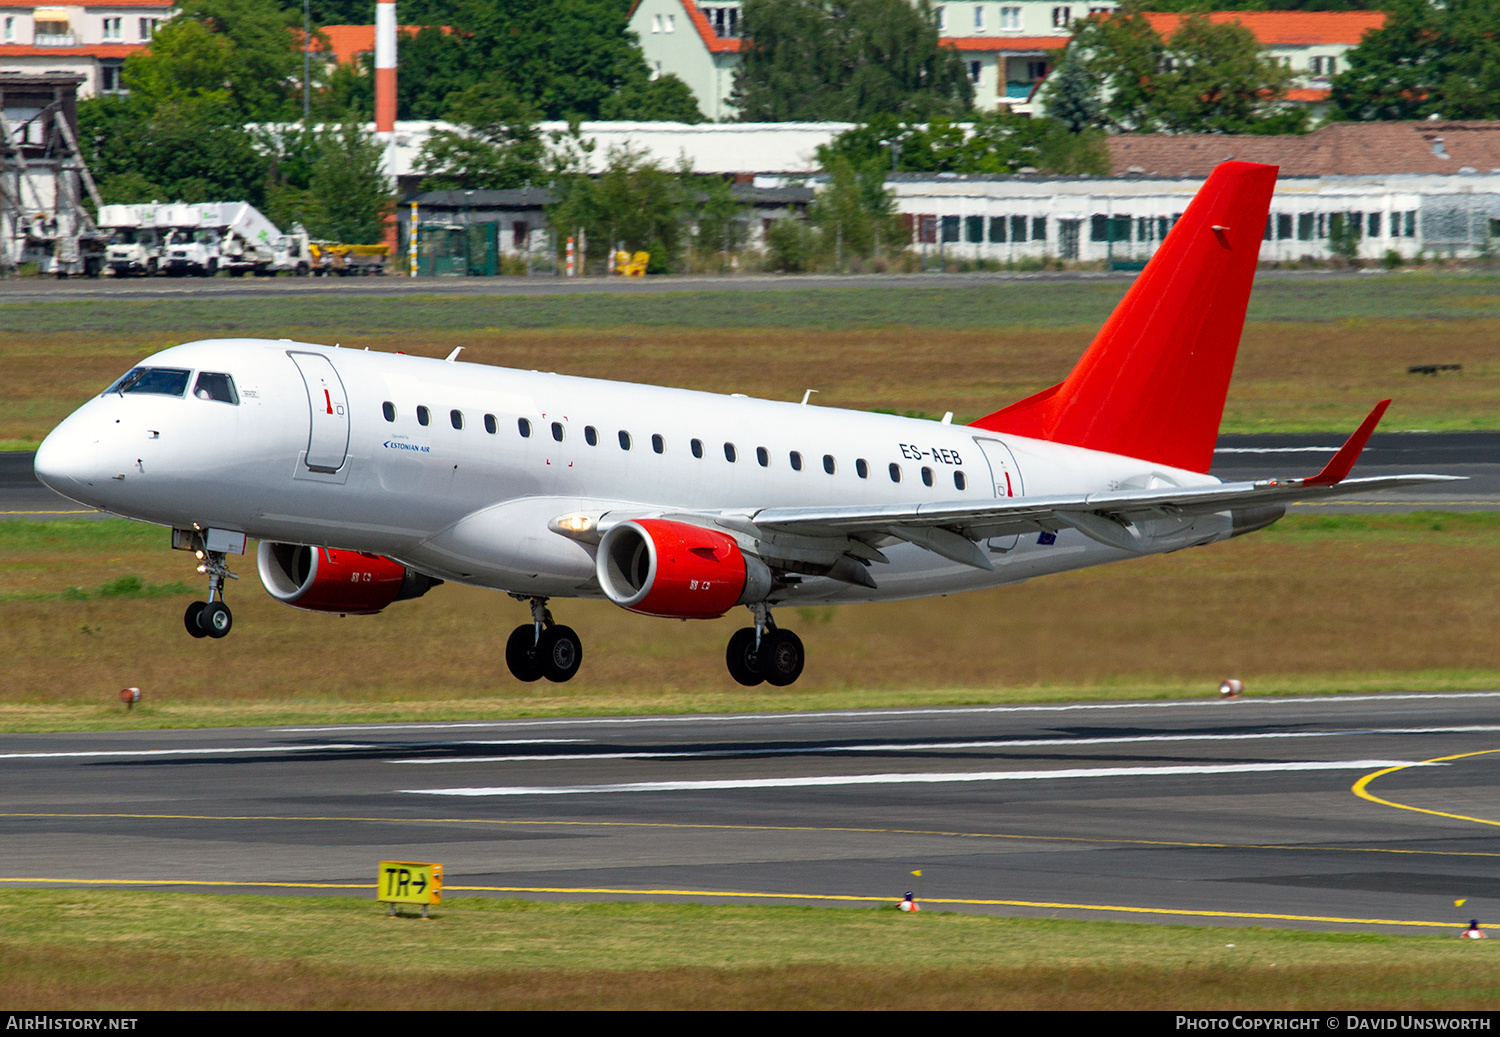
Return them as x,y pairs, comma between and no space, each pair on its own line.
91,39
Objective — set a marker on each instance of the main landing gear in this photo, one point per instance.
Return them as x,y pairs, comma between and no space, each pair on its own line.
542,648
211,618
764,652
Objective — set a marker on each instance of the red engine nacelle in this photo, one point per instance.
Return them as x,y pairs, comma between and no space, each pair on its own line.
321,579
663,568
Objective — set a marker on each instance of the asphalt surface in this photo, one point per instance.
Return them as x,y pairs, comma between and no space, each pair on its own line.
1475,455
1209,811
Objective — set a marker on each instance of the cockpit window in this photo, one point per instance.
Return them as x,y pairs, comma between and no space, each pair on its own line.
157,381
219,387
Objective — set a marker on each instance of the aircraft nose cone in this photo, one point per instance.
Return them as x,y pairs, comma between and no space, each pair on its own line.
67,460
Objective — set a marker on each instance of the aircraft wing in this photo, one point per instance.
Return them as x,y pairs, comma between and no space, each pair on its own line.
950,528
1105,517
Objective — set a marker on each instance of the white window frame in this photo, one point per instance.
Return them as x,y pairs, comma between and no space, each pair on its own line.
1062,17
114,29
942,18
979,18
1010,19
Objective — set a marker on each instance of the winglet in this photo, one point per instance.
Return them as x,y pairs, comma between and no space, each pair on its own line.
1338,467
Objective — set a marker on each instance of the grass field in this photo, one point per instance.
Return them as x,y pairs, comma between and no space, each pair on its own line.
1315,603
1315,356
134,950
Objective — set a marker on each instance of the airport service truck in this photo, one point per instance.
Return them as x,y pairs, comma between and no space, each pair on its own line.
135,242
232,236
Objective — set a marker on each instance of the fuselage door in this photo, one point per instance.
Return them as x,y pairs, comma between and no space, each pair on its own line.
1003,470
1006,478
328,437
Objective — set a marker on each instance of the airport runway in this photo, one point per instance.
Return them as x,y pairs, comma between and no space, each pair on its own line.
1211,811
1472,454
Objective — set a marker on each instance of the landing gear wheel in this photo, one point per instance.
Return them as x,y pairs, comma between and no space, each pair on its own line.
741,658
192,619
559,654
216,619
520,655
780,657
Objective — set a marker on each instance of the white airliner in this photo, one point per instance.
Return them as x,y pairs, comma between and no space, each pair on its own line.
369,477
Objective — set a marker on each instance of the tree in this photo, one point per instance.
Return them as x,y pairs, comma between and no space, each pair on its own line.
498,147
994,142
191,149
1205,78
1427,59
350,188
846,60
855,214
244,47
566,58
663,99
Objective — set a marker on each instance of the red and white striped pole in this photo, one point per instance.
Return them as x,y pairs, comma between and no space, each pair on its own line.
385,99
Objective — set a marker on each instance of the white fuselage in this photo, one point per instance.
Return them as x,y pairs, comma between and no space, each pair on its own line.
294,462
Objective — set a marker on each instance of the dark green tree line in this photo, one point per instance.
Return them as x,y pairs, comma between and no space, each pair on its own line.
846,61
1429,59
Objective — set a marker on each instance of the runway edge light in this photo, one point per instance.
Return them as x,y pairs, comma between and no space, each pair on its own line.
409,882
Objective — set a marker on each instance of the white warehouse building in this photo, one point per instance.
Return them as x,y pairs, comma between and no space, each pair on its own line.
1014,218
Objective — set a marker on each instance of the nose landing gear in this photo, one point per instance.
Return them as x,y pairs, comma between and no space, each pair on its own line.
211,618
542,648
764,652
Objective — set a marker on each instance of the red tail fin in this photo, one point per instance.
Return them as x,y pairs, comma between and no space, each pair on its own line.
1153,382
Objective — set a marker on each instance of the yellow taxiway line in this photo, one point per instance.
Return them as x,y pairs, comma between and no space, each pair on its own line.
1361,789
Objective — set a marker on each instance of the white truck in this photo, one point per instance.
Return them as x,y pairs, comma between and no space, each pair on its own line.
135,242
233,236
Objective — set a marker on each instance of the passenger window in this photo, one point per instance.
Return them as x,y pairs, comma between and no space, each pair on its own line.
624,440
219,387
697,446
895,472
557,431
926,476
658,444
796,459
590,435
389,409
729,452
424,416
959,482
457,418
828,465
490,425
862,468
763,456
524,427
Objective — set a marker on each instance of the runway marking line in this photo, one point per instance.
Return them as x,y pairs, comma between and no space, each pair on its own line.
756,895
1361,789
848,830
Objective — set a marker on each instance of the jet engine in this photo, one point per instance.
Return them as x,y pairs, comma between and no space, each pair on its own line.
658,567
321,579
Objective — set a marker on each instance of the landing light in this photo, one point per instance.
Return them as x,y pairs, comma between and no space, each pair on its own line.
577,526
